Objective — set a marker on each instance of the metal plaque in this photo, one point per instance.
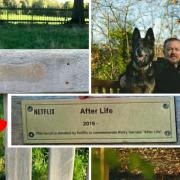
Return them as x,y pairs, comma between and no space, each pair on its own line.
99,120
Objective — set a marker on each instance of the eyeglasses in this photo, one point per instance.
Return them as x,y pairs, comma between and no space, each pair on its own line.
169,50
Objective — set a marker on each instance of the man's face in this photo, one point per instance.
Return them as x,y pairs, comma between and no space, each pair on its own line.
172,51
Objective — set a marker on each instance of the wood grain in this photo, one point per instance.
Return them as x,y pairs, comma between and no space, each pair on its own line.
43,71
18,163
61,163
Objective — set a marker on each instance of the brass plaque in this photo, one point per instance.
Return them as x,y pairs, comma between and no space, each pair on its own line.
99,120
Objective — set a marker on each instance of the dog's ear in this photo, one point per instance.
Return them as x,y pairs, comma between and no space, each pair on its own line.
136,35
150,35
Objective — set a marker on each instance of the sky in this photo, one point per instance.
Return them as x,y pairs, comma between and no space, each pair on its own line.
142,14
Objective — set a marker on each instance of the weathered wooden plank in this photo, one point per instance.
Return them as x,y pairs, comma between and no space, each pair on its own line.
18,163
105,84
17,160
17,134
33,71
61,163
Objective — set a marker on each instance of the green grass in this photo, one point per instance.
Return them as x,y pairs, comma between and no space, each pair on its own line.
34,17
40,163
2,157
27,36
81,164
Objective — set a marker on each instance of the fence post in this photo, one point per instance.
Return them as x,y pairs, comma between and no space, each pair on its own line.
61,163
17,160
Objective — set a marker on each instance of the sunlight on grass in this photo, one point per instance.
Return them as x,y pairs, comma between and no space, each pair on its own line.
32,17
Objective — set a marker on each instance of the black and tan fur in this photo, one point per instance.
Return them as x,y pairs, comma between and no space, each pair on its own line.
139,75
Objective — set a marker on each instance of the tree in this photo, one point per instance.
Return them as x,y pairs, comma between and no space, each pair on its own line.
28,3
23,4
53,4
39,4
10,3
112,31
67,5
78,12
1,3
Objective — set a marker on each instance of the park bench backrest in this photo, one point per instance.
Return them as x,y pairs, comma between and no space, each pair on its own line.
44,71
19,163
105,86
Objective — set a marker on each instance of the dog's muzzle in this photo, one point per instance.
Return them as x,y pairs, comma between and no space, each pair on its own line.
140,56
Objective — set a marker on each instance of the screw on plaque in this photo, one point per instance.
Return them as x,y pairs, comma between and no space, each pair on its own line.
166,106
31,134
167,133
29,108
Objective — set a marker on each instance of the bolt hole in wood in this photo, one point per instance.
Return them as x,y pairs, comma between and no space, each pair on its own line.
68,64
66,82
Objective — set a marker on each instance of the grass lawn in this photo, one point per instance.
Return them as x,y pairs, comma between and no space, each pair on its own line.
42,36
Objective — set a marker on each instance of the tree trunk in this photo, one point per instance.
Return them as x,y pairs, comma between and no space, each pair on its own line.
78,12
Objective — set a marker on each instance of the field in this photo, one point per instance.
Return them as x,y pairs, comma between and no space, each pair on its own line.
43,36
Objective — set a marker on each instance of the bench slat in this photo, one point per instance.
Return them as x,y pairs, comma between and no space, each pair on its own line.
43,71
18,163
61,163
105,86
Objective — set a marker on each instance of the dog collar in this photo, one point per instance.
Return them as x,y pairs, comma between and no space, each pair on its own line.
144,68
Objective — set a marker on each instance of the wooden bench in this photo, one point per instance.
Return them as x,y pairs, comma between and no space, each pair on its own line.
41,71
105,86
17,126
18,161
44,71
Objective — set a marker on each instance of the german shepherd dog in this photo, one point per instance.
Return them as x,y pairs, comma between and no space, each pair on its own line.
139,75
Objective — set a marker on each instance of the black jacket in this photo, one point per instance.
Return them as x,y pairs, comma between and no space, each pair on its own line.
167,77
